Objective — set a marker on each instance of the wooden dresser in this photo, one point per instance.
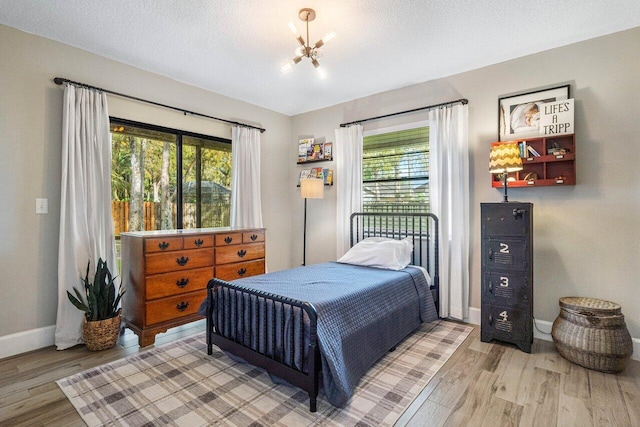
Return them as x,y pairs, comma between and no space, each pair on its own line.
165,273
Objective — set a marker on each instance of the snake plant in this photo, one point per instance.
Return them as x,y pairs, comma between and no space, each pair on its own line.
102,300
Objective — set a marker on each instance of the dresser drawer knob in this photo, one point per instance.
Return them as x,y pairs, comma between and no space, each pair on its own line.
182,306
242,271
182,282
254,237
242,253
163,246
182,261
491,286
228,239
199,242
490,320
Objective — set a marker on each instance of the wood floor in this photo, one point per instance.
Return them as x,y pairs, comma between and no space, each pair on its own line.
481,385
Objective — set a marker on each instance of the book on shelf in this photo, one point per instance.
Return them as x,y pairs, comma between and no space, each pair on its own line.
316,151
304,149
523,149
328,177
328,150
317,173
304,174
533,151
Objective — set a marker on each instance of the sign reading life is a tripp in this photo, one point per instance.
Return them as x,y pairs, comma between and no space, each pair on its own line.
556,118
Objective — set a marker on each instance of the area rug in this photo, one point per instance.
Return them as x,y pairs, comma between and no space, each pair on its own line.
178,384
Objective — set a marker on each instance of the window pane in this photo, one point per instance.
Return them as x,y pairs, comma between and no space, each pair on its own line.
395,171
143,179
206,183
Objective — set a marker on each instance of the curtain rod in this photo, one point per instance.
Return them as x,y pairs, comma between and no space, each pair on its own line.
463,101
60,80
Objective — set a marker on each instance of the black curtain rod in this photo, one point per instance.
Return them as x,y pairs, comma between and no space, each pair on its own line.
60,80
461,100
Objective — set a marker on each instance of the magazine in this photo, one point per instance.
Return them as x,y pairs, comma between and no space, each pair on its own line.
328,153
304,149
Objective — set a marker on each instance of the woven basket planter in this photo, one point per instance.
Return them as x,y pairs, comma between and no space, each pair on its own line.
592,333
101,334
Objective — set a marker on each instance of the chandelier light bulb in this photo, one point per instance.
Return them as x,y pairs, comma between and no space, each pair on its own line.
287,67
328,37
321,72
300,51
293,29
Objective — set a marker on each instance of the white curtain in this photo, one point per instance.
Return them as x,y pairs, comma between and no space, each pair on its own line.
348,152
449,188
246,207
86,227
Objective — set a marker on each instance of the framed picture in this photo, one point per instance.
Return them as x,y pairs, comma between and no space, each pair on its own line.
519,115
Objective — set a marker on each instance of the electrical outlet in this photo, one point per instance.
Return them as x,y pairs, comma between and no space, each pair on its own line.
42,206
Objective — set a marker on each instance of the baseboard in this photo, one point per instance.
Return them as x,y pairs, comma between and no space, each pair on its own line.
542,330
22,342
474,316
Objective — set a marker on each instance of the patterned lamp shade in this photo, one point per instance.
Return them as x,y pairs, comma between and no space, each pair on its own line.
505,158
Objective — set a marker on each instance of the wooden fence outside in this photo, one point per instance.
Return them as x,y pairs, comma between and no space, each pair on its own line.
213,215
120,215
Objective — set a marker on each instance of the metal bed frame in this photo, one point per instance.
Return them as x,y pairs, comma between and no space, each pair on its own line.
229,304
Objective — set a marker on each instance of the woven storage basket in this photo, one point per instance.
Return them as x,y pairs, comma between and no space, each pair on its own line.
101,334
592,333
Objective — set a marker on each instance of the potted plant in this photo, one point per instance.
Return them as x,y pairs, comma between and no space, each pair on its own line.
101,325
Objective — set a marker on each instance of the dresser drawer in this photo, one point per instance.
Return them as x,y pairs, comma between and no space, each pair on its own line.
506,289
226,239
174,307
505,254
508,219
168,284
240,269
196,242
238,253
162,244
178,260
253,236
511,324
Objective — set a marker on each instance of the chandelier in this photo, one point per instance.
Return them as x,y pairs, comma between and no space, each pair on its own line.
305,49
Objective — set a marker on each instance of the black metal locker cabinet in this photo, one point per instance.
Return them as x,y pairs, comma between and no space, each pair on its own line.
507,273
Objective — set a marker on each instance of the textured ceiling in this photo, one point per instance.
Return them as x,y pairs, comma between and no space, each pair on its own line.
236,47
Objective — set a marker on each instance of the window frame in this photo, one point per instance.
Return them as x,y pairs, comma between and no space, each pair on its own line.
179,133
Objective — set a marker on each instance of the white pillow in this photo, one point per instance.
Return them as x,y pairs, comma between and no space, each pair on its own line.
380,252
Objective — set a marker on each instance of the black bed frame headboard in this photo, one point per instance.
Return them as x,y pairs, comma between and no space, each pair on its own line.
421,228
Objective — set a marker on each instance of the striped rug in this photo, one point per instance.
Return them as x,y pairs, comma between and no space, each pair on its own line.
179,384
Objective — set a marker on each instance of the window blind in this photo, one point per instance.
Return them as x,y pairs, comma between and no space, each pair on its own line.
395,171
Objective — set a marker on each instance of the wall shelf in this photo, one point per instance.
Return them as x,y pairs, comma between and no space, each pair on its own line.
554,166
315,161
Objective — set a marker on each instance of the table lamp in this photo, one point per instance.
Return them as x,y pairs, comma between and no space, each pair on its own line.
310,188
505,158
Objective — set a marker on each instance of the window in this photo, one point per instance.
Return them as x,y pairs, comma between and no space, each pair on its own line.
395,170
164,178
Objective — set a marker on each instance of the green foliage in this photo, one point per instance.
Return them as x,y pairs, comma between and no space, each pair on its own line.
101,298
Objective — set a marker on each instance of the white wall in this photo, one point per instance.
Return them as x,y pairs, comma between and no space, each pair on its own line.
30,164
586,237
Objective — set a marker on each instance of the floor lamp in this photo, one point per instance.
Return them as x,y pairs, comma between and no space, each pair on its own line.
310,188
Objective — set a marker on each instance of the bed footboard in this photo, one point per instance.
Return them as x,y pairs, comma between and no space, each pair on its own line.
272,332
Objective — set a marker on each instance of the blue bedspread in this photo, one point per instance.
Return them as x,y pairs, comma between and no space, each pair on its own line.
362,313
